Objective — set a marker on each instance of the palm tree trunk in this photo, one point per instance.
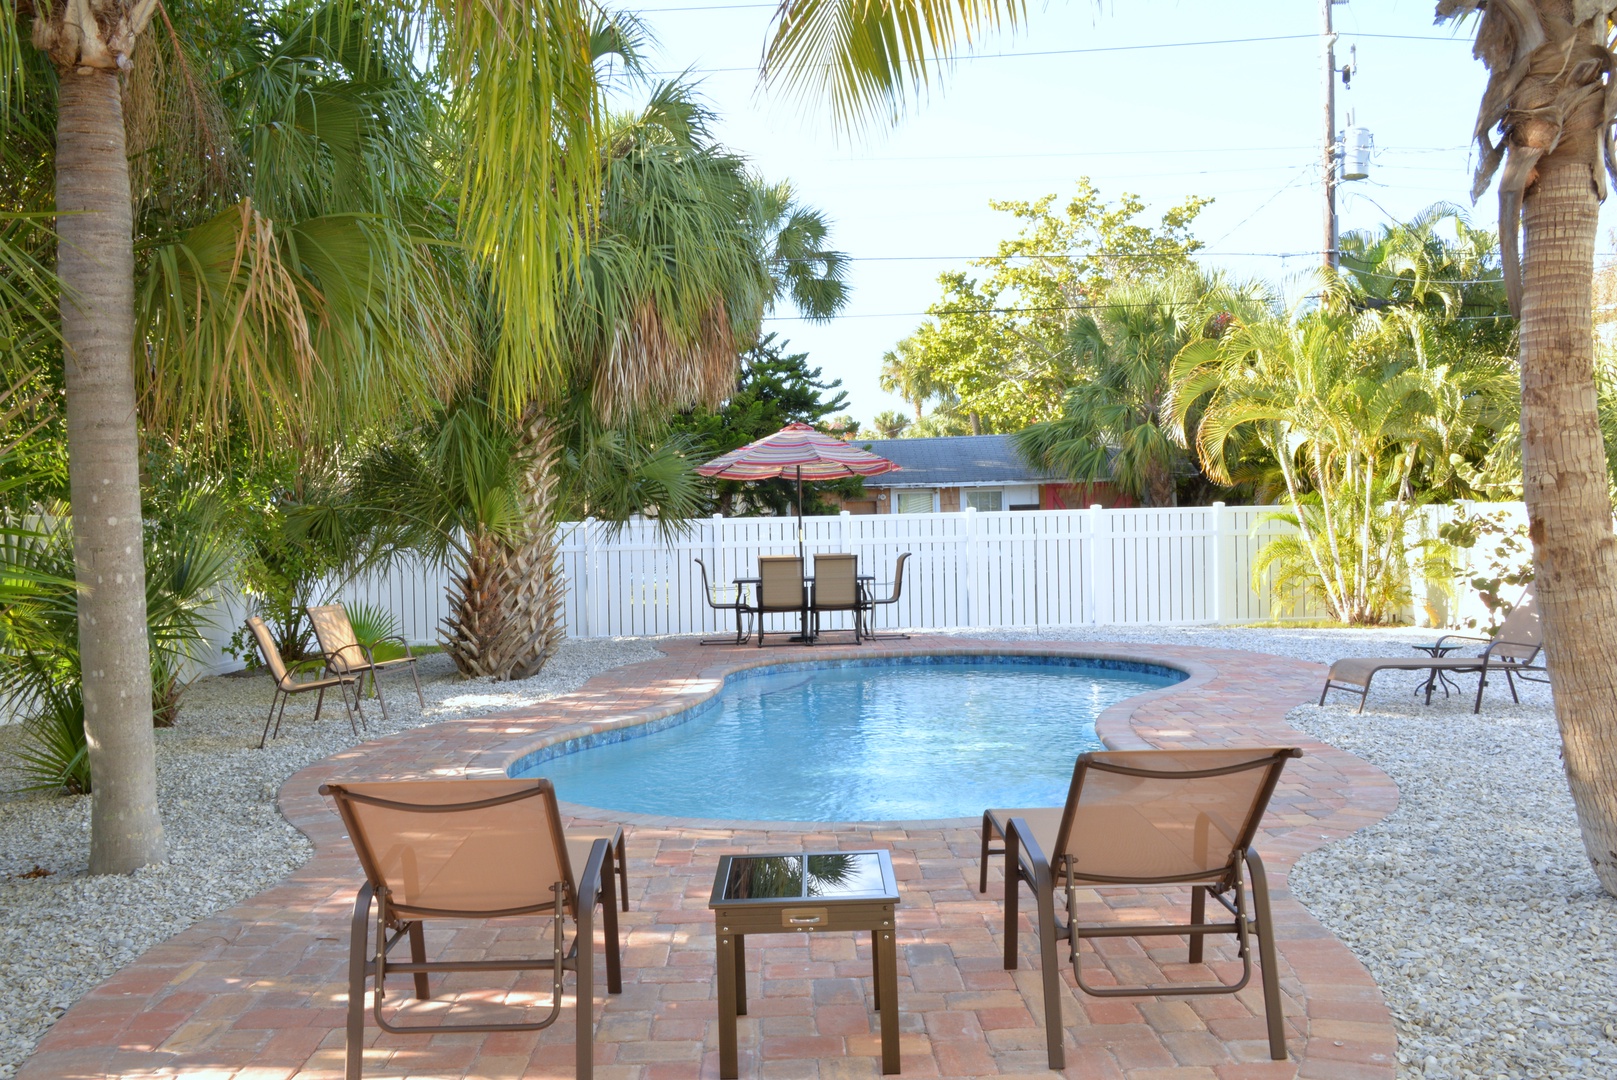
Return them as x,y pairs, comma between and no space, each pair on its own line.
534,587
95,260
1565,484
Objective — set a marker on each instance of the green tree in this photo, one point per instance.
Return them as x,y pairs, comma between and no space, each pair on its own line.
889,424
1114,424
1001,343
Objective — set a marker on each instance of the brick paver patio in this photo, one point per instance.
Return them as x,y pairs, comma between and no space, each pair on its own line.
257,992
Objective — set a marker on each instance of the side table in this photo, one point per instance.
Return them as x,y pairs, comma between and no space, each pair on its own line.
804,893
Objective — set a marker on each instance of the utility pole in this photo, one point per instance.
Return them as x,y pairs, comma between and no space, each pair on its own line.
1328,39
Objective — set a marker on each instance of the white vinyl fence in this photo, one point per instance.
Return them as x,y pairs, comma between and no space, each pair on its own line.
970,569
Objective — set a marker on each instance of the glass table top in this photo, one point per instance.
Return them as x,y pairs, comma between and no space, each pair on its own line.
817,876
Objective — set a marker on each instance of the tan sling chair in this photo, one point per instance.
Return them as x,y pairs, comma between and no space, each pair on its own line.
287,682
474,849
1144,818
346,656
836,588
780,589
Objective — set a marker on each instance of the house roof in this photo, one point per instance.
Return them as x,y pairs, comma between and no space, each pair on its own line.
954,461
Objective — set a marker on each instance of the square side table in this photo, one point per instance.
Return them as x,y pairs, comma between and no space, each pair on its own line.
804,893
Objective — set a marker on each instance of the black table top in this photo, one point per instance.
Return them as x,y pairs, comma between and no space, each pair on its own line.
830,876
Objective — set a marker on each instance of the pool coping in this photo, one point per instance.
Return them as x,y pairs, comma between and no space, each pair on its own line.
255,989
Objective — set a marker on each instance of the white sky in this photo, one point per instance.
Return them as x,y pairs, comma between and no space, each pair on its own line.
1239,120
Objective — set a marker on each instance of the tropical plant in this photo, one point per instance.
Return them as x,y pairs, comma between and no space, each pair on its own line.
1113,424
889,424
280,295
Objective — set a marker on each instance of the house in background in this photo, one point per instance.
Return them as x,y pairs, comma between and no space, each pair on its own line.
951,473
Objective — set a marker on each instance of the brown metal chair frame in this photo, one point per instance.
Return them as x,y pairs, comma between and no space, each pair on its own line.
871,603
286,683
738,605
346,656
842,594
394,923
796,599
1026,864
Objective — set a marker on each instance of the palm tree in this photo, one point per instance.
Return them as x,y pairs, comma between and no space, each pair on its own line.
1113,424
1549,63
904,372
523,95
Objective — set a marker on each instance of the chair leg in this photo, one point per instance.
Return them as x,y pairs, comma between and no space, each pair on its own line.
319,703
353,725
609,928
264,738
1267,957
623,872
584,991
1482,684
982,863
1044,894
1013,882
417,678
358,960
418,954
285,700
1198,915
376,688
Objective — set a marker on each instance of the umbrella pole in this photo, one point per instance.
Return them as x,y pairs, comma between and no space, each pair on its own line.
801,557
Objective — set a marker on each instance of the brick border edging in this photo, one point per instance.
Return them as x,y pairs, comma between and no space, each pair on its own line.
1230,696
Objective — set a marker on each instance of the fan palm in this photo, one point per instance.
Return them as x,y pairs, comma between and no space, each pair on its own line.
1113,424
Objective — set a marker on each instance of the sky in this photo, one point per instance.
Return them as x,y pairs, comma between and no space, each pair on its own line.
1162,98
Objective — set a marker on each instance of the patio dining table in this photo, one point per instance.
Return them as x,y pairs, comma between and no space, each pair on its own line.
804,634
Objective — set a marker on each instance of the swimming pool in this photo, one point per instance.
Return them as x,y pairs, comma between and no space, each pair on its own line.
888,740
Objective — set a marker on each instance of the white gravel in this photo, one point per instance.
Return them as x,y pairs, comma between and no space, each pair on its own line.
62,933
1473,905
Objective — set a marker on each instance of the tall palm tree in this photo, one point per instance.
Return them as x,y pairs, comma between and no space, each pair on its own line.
523,98
1550,63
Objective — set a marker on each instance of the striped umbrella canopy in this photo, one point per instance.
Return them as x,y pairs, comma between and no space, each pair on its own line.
796,450
799,451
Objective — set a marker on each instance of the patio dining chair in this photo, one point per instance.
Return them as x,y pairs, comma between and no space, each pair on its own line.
346,656
474,849
836,588
896,589
1143,818
780,590
1516,651
287,683
734,599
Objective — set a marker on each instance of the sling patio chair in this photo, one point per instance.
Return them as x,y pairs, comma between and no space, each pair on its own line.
781,589
1516,651
836,588
287,683
871,602
733,598
346,656
475,849
1142,818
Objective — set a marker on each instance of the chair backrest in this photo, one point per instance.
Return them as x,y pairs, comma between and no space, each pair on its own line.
780,582
268,649
836,581
898,580
336,636
707,590
1521,635
458,848
1149,816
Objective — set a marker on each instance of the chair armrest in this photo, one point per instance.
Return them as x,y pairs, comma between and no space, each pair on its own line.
399,640
307,663
1019,834
589,879
1443,642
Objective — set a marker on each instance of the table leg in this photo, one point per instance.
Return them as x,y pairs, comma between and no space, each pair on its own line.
884,966
729,947
741,974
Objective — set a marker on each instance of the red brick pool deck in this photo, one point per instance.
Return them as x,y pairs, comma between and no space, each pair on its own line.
257,992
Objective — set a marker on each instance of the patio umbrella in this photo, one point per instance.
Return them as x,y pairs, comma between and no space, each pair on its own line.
797,450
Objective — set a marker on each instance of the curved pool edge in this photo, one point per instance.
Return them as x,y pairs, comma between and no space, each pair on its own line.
293,932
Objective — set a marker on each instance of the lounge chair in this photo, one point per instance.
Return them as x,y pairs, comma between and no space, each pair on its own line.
1516,651
836,588
736,603
872,602
1146,818
780,590
346,656
474,849
287,683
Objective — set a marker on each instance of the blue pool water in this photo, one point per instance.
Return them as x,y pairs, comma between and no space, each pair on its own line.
920,738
